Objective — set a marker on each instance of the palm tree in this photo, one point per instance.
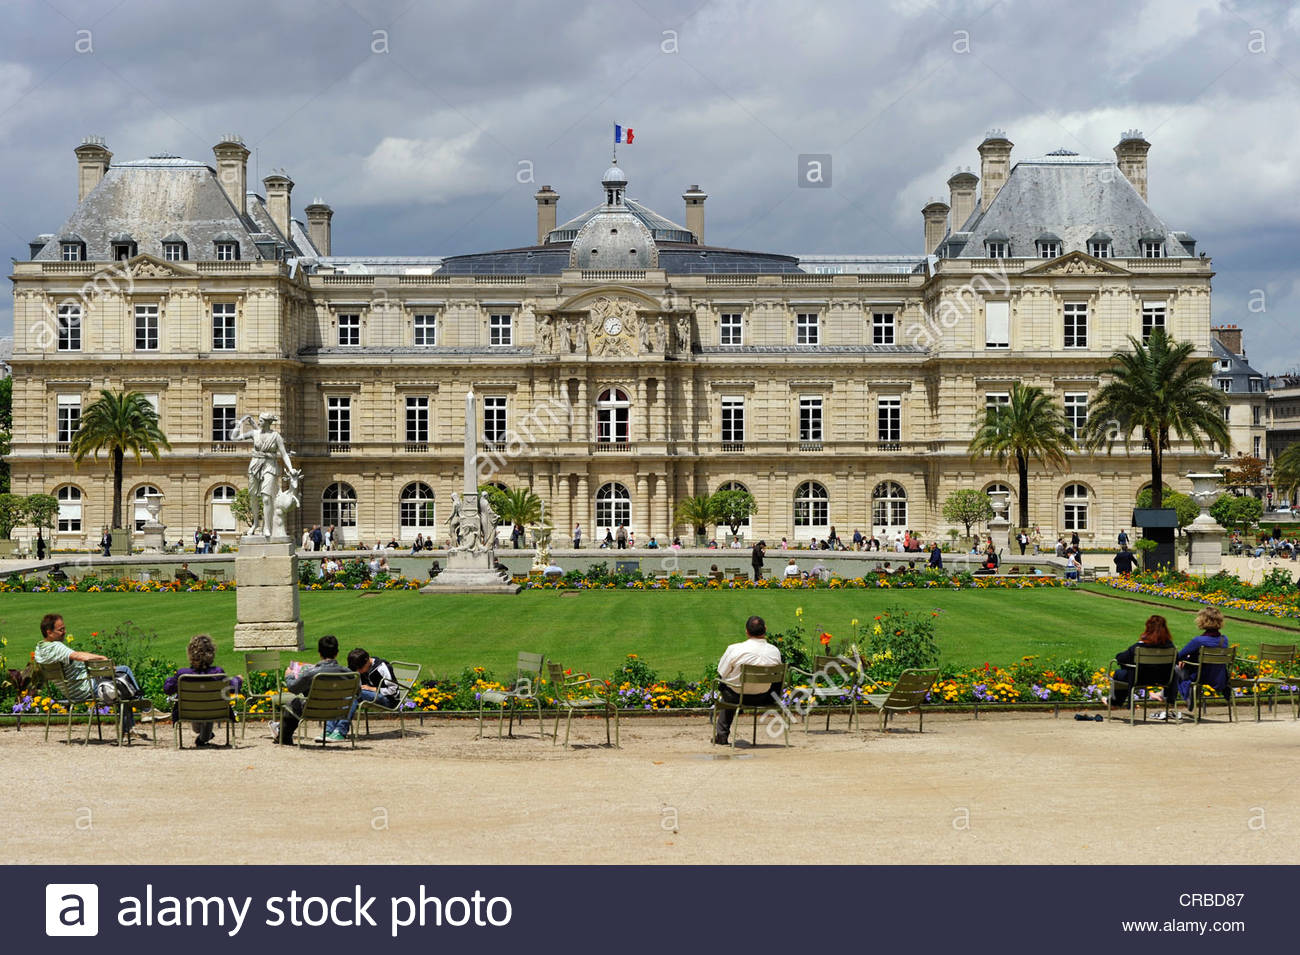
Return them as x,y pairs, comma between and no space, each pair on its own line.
1157,388
118,422
1286,471
519,506
1030,427
697,511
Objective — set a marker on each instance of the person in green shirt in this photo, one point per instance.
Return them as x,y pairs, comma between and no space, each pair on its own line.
53,649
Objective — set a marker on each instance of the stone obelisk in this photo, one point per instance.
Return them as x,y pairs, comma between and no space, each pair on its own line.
471,559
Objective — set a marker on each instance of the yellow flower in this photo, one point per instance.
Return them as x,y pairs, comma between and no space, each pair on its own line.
798,611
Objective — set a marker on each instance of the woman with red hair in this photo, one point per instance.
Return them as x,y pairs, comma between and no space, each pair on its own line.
1154,634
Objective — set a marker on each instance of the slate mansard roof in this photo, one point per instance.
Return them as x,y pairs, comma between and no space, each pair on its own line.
1067,196
165,197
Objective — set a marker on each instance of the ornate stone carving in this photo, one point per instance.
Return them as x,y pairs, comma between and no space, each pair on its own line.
264,470
613,324
544,339
1078,267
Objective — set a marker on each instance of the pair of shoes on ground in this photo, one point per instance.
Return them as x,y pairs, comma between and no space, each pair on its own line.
136,733
205,739
1174,716
334,737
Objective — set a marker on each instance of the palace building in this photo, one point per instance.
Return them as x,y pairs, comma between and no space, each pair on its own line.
621,363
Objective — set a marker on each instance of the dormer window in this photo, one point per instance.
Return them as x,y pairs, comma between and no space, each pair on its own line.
997,250
998,244
1152,248
174,251
73,251
1099,246
122,251
227,251
1048,245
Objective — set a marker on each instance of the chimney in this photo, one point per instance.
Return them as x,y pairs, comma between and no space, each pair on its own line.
93,158
935,214
547,199
278,186
1131,154
1229,336
695,212
232,170
961,196
318,225
995,165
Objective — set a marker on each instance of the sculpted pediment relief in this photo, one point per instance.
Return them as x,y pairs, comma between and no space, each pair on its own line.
145,266
1076,263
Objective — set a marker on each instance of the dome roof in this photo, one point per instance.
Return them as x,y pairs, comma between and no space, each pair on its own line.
613,176
614,240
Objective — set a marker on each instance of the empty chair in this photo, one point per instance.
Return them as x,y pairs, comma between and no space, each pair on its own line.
907,695
1282,656
585,694
261,661
528,676
833,681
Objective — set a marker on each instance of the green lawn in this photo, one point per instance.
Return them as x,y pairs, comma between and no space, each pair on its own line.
593,631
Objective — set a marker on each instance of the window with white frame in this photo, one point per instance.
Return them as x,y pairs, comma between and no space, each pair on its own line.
1099,248
1258,446
882,328
501,329
417,419
1256,416
889,418
1076,325
812,506
426,330
996,399
338,419
807,331
731,328
350,329
227,251
69,499
223,416
223,326
1226,384
494,418
1048,248
1227,412
613,411
146,328
69,322
810,418
733,420
73,251
223,515
1076,412
338,506
889,505
997,324
996,249
415,508
1076,507
1152,248
613,507
69,417
174,251
1153,317
141,504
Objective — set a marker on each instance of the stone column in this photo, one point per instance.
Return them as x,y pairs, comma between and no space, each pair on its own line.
641,509
266,598
582,507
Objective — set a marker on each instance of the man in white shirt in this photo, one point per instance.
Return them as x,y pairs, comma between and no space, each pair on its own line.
755,651
791,569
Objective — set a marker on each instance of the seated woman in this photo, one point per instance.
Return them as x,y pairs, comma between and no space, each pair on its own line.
791,570
1208,621
201,652
1155,634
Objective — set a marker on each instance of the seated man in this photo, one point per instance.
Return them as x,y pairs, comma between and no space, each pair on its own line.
81,687
378,685
291,713
185,575
755,651
791,569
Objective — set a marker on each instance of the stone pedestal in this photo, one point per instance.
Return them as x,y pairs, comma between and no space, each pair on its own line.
468,573
153,538
266,598
1206,556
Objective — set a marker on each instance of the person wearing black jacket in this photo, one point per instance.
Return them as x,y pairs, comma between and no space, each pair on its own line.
756,559
1155,634
291,713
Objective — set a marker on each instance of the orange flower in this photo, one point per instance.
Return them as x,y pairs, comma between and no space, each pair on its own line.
825,638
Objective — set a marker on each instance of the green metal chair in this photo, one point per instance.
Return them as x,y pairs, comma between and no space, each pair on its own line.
329,698
1207,657
260,661
202,698
583,693
405,674
907,695
823,687
528,677
1153,668
1283,658
751,675
55,676
103,671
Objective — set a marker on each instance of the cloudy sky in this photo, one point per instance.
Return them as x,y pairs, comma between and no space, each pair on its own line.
419,122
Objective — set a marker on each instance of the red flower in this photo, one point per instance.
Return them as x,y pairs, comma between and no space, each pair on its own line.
825,638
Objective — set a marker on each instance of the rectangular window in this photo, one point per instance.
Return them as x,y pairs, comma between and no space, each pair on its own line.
733,420
889,419
223,417
494,418
731,329
1100,250
350,330
227,251
1258,448
806,329
997,250
1255,417
69,322
1049,250
339,419
500,330
426,330
123,251
1076,412
69,419
1076,325
1225,384
1076,515
997,324
223,326
417,419
1153,317
996,399
810,419
146,328
1227,415
174,251
1151,249
882,328
72,252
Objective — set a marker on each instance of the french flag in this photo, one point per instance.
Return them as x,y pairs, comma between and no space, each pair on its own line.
622,135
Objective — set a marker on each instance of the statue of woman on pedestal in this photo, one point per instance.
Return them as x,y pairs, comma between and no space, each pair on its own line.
264,470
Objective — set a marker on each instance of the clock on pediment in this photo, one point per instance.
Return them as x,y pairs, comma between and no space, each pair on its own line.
613,326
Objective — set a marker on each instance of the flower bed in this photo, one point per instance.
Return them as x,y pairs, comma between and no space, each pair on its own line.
1275,596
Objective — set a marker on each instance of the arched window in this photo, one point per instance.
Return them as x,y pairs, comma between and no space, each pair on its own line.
612,413
69,499
735,486
142,512
338,506
613,507
812,507
222,519
415,509
889,505
1076,507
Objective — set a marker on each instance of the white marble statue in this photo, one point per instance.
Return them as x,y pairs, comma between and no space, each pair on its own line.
264,470
286,502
